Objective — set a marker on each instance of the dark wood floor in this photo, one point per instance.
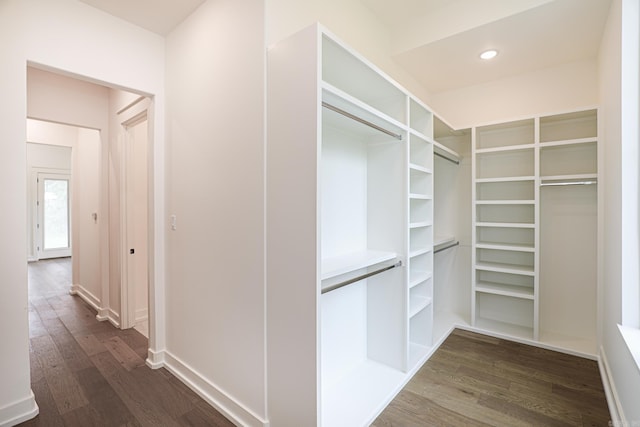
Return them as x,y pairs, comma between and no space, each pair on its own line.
88,373
476,380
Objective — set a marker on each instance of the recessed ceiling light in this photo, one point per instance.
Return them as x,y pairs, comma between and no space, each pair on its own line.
488,54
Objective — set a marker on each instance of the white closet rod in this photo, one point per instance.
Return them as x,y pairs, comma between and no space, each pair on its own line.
361,120
558,184
361,277
457,162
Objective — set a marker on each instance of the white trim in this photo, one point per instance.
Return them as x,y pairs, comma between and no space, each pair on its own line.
631,337
613,401
18,412
211,393
87,297
113,318
155,359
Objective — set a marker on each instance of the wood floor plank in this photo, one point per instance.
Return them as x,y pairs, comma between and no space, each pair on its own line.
135,397
128,358
501,383
64,388
73,390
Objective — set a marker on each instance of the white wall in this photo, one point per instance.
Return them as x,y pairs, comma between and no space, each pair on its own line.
566,87
615,98
215,263
70,36
351,21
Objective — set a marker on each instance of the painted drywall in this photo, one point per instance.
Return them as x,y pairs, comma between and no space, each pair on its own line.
73,37
567,87
351,21
625,375
86,197
215,159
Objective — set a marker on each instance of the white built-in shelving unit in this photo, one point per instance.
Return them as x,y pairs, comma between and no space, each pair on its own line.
528,272
349,233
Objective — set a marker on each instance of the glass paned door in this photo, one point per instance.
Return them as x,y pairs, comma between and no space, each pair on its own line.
56,214
53,228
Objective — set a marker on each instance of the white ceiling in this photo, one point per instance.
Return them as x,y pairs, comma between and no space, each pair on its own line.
158,16
438,41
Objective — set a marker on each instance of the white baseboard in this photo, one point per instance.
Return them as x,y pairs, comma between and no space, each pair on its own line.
142,315
227,405
87,297
19,412
155,359
96,304
613,401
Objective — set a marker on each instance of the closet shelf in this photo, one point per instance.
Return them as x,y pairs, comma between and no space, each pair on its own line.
505,224
417,304
506,179
420,196
422,136
420,224
576,177
446,152
419,168
568,142
509,329
505,148
505,247
417,353
335,266
505,268
505,202
359,109
418,277
419,252
505,290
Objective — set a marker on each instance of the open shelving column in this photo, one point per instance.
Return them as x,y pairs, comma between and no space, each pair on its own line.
504,193
534,256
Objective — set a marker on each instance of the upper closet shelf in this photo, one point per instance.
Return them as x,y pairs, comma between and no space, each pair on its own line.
335,266
506,179
346,112
446,153
505,148
568,142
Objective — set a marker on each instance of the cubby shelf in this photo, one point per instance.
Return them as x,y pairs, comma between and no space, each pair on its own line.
417,196
504,289
506,179
505,202
505,225
505,149
419,168
505,247
419,278
506,268
568,142
418,304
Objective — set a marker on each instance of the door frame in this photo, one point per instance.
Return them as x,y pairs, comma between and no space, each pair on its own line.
134,114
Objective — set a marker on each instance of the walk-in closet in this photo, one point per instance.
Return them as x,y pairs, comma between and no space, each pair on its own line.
387,228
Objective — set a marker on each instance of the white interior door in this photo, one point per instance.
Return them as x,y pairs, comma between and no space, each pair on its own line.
54,216
136,227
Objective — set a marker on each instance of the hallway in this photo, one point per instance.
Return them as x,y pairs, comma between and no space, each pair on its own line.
88,373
